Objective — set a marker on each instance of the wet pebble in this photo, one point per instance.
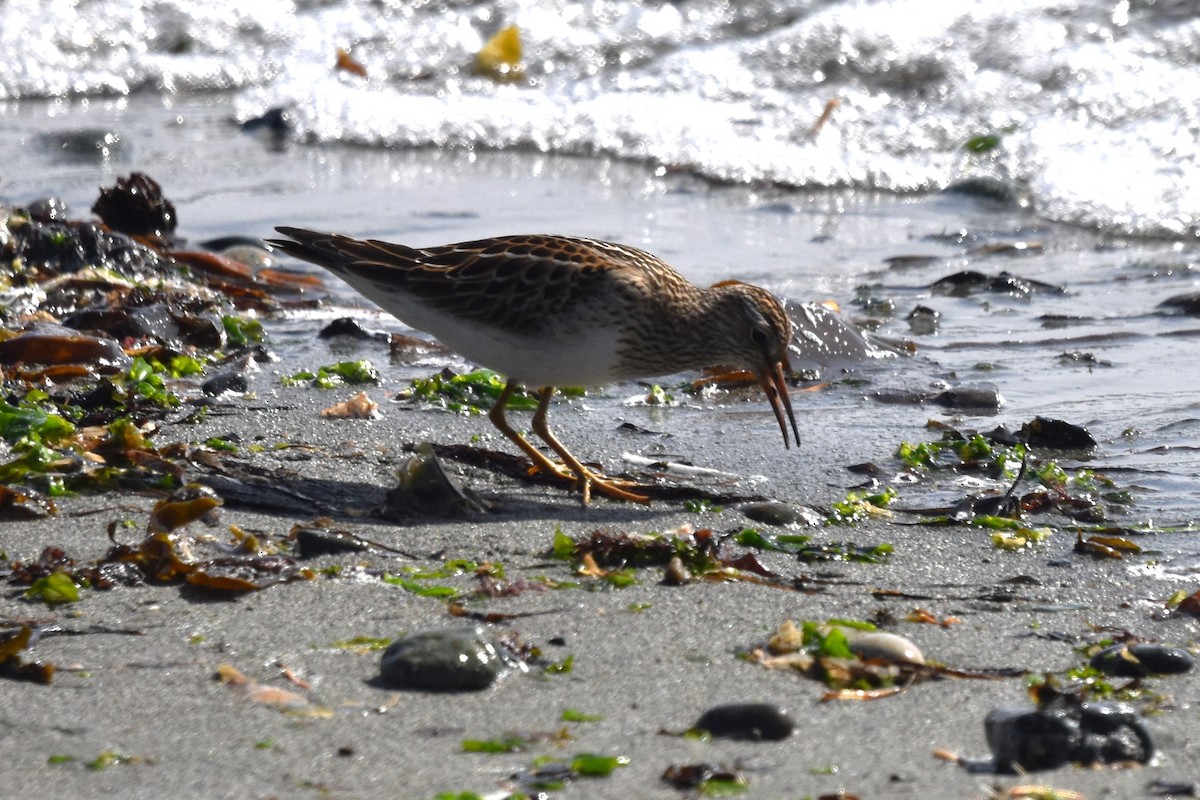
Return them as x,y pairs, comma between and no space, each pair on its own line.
993,189
1182,304
676,573
348,326
45,343
906,262
754,721
48,209
1066,731
772,513
136,205
1136,660
254,256
226,381
84,146
882,646
923,320
454,660
980,395
1044,432
276,121
312,542
962,284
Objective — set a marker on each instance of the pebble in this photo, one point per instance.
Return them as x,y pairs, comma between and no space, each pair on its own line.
882,646
754,721
452,660
1030,739
1043,432
424,487
923,320
771,513
1136,660
229,380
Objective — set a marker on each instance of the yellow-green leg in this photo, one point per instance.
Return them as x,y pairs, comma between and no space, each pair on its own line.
540,462
578,473
586,477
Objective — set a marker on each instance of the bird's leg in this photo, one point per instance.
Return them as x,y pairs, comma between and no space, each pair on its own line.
586,477
540,462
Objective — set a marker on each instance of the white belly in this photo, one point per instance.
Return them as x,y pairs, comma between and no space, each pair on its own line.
571,358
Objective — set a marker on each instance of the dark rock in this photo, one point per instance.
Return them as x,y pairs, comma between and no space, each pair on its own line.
313,542
226,381
348,326
754,721
454,660
83,146
772,513
991,189
962,284
977,396
49,209
1066,731
1182,304
1138,660
923,320
275,121
1055,433
136,206
905,262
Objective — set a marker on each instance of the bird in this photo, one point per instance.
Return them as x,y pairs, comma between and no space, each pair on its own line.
548,311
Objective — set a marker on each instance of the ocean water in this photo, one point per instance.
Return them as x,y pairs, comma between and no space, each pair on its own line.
1088,111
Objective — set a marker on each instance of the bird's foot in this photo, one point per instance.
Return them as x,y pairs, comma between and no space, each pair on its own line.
588,481
610,487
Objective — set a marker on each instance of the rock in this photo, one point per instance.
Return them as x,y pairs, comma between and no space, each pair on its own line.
230,380
136,206
882,646
771,513
753,721
1055,433
923,320
1137,660
1066,731
973,396
424,487
453,660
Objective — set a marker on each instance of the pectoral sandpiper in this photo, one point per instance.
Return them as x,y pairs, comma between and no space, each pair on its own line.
547,311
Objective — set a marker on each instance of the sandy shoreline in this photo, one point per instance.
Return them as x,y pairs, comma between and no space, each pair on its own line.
138,680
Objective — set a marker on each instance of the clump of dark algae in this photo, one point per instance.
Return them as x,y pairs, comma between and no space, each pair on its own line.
1063,728
108,332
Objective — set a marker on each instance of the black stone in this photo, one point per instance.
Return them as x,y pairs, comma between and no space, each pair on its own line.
753,721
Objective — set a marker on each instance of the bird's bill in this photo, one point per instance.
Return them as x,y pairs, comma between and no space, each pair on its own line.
775,386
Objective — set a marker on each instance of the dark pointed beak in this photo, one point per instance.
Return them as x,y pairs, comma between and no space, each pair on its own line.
775,386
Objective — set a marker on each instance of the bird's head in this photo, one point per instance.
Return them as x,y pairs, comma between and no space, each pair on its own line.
759,342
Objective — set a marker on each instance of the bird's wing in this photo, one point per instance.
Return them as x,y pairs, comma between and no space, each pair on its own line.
509,281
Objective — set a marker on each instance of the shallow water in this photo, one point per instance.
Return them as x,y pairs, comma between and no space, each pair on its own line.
1090,110
1100,353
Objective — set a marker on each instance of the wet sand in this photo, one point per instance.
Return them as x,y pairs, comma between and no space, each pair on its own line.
141,681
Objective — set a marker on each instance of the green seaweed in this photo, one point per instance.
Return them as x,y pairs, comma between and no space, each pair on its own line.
507,744
564,667
57,587
330,376
590,765
240,331
575,715
467,393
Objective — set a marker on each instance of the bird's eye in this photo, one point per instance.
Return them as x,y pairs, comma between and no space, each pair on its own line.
759,336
